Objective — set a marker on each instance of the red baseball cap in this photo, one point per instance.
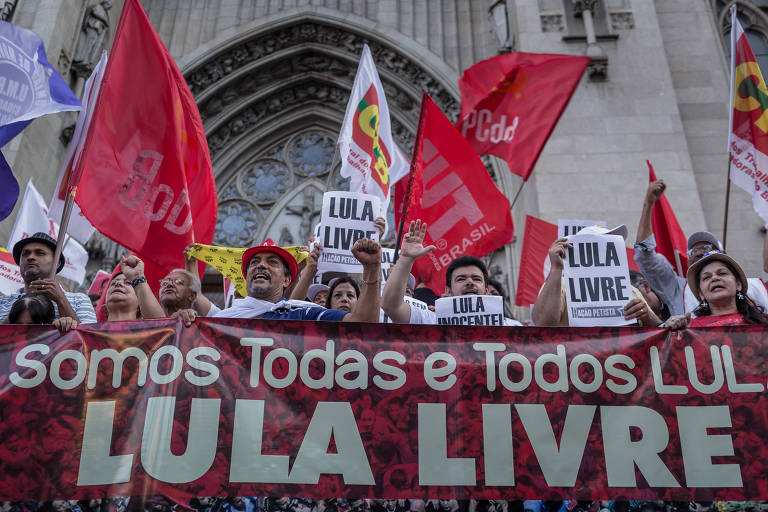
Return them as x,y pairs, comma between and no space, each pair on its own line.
270,246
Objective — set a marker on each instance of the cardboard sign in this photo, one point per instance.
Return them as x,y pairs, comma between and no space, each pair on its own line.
568,227
346,218
415,303
596,278
10,277
470,310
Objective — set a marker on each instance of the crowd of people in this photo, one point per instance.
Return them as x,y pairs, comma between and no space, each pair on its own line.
715,292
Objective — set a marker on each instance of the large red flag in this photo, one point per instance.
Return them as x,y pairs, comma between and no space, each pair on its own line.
145,177
465,211
511,103
534,259
670,239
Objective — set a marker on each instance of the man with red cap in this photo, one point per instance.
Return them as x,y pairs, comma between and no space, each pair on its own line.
269,270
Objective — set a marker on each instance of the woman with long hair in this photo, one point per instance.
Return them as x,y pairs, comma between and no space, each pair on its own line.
721,286
343,294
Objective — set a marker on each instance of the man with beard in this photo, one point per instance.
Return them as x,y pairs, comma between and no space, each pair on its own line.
34,256
269,270
466,275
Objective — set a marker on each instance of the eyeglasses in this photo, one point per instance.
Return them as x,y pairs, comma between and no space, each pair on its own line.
702,249
169,280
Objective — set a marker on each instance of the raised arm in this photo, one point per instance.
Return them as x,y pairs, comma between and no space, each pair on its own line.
368,253
411,249
644,228
546,311
133,268
308,274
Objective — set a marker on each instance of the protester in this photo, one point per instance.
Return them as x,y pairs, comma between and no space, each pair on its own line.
670,287
342,294
128,295
36,308
551,307
466,275
639,281
178,290
269,270
34,255
720,285
318,293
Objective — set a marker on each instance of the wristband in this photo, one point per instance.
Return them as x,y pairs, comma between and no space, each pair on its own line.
369,282
136,282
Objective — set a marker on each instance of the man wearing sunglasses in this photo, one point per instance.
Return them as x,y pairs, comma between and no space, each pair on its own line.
673,289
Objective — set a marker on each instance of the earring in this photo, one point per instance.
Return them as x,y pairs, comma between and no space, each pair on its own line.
703,307
740,296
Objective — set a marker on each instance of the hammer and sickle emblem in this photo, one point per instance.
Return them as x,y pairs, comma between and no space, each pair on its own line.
748,95
369,123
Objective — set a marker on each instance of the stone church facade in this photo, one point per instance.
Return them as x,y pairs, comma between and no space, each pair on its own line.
272,77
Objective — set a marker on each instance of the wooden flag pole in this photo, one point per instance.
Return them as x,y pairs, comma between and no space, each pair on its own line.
334,161
727,200
514,200
60,242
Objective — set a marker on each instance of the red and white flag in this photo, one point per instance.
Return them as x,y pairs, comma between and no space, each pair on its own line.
511,103
454,194
146,172
78,226
748,138
33,217
670,238
369,155
10,276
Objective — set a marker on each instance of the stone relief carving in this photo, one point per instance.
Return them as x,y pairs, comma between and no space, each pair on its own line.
93,34
622,20
552,23
222,65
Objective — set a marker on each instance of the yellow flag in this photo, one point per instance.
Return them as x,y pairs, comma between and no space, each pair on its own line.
228,261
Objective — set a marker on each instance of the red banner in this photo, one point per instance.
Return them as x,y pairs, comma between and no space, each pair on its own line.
454,194
511,103
250,408
146,178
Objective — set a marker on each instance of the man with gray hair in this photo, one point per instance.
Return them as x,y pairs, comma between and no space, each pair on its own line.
179,290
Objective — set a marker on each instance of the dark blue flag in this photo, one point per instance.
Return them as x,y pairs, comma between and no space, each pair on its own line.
29,87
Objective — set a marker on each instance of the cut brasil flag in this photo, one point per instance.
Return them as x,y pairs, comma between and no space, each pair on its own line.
748,138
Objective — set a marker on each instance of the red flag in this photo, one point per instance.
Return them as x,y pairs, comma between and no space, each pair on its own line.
534,259
670,239
465,211
511,103
145,172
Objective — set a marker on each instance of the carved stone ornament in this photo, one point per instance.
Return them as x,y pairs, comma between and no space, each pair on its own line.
597,69
579,6
552,23
622,20
307,33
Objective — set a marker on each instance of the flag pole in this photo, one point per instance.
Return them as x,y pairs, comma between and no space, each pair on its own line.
65,215
409,189
334,161
514,200
727,200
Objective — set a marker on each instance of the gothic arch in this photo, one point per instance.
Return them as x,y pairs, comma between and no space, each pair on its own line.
287,79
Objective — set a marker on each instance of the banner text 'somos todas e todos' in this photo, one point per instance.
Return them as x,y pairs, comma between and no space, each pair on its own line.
249,408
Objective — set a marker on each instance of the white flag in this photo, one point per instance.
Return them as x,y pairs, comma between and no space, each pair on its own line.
32,218
369,155
78,227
